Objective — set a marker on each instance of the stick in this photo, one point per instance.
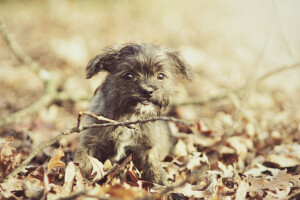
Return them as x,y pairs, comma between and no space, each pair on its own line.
52,81
78,129
203,100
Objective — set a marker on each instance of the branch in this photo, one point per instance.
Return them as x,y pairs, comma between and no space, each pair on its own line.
203,100
52,81
20,54
99,118
46,99
79,128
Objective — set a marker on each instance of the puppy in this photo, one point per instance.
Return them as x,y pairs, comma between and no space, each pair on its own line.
140,83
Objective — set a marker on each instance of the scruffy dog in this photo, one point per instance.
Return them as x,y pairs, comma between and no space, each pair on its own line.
139,85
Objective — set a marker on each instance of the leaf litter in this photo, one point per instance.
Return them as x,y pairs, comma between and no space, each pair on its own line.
259,160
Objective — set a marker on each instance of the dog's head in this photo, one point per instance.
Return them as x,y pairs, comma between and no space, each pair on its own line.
140,78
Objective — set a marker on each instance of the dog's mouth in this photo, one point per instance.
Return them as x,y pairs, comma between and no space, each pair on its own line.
146,102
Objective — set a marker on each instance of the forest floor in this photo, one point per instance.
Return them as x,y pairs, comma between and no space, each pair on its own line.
241,139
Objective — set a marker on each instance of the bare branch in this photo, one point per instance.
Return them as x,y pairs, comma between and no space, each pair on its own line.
51,80
100,118
46,99
78,129
203,100
20,54
284,33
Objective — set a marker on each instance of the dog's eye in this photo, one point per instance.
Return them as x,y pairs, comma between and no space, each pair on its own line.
161,76
128,76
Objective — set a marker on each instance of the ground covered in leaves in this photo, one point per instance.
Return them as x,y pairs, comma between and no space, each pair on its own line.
245,139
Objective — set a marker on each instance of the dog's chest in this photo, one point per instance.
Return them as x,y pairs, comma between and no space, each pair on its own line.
126,138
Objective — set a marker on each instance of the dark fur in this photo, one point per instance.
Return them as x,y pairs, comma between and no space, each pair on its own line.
141,95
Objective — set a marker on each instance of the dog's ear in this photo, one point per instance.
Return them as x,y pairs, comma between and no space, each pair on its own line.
103,62
181,67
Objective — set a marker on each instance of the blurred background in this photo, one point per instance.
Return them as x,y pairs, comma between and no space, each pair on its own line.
227,44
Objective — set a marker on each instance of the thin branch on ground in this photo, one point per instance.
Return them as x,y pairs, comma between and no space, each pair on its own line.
52,81
52,85
46,99
203,100
283,30
18,51
99,118
79,128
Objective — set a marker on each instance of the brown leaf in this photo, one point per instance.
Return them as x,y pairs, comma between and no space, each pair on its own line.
279,181
180,148
107,165
33,185
242,190
69,177
283,160
7,188
123,191
55,160
10,158
97,171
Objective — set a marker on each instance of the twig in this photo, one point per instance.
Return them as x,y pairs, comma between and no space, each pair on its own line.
46,99
126,123
100,118
284,33
81,128
203,100
52,81
20,54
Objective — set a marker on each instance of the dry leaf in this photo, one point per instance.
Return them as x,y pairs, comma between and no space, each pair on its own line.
281,180
7,188
195,160
107,165
10,158
97,171
69,177
283,160
261,168
187,190
33,185
123,191
242,191
241,145
55,160
180,148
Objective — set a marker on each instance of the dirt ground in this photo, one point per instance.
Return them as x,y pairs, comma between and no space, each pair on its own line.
245,57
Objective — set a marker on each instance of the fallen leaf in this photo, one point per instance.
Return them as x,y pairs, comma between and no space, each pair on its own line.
188,191
283,160
281,181
7,188
123,191
10,158
55,160
33,185
180,148
70,174
242,190
97,171
195,160
107,165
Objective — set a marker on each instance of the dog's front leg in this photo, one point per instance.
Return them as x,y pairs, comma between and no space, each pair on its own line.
153,169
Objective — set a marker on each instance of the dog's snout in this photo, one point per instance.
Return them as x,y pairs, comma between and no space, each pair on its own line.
148,91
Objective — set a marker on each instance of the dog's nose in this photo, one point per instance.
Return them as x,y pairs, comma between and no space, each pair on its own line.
148,91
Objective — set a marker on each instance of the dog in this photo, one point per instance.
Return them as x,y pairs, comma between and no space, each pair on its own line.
140,84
